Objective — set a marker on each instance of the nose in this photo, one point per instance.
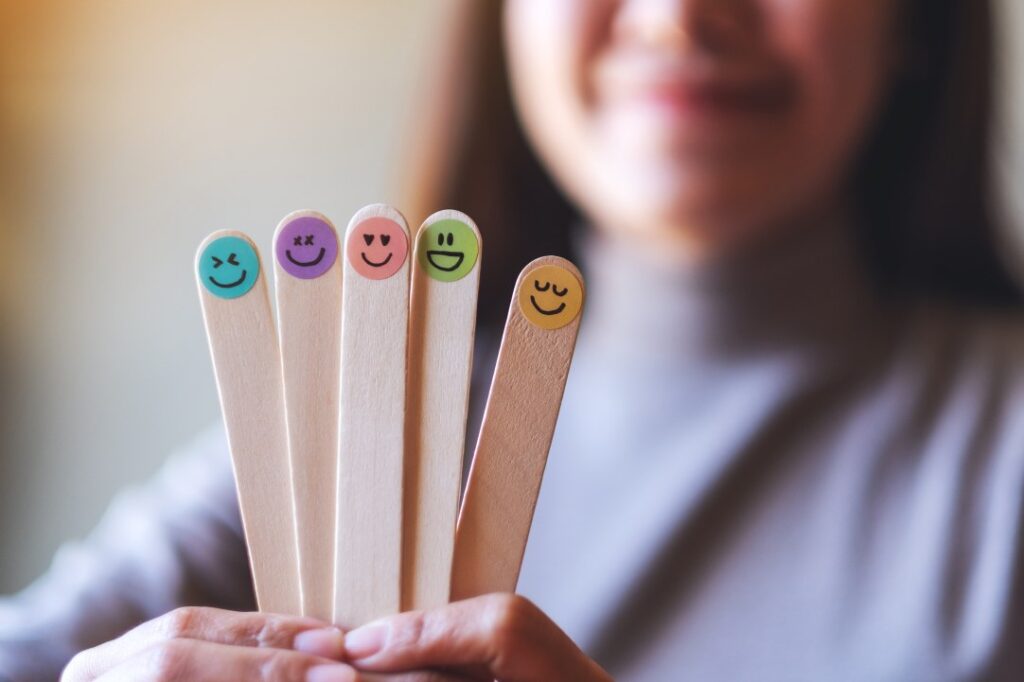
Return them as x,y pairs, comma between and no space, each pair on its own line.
709,25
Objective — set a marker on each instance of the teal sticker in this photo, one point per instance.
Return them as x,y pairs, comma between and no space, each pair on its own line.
448,250
229,267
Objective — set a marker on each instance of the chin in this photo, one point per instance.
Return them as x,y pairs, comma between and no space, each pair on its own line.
706,205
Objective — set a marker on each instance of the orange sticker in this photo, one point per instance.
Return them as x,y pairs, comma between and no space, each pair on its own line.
550,296
377,248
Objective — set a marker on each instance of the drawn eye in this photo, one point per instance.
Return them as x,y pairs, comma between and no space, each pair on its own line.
440,239
233,259
562,292
309,240
451,239
385,238
368,238
538,287
297,241
217,262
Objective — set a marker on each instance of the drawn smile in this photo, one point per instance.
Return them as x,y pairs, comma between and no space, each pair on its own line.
437,257
373,264
306,263
544,311
231,285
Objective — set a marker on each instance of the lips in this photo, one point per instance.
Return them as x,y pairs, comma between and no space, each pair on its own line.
691,86
446,261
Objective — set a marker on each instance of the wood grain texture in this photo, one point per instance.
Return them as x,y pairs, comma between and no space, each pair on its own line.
247,367
375,317
309,328
441,332
512,449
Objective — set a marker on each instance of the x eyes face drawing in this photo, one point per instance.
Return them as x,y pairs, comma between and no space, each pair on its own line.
448,250
377,248
307,247
229,267
550,296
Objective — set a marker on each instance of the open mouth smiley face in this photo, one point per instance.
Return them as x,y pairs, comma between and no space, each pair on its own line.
307,247
377,248
448,250
550,296
229,267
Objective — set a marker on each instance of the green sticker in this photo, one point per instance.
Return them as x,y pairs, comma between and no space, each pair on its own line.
229,267
448,250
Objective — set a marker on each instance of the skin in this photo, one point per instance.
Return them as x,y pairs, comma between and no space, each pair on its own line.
694,127
689,128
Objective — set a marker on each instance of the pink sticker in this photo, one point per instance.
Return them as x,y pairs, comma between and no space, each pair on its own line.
377,248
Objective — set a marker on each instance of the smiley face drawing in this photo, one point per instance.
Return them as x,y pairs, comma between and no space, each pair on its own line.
229,267
448,250
377,247
306,247
550,296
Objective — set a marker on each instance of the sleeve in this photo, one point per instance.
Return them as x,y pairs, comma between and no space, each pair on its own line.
177,540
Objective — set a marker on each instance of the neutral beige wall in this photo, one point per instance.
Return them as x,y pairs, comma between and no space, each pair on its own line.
129,130
1010,146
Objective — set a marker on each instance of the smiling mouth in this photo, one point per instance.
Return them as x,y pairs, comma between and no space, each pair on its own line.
362,254
544,311
230,285
433,257
306,263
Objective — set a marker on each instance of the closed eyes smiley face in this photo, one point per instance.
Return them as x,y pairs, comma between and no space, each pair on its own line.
307,247
550,296
377,248
448,250
229,267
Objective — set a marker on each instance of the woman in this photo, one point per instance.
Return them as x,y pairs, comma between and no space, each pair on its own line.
787,448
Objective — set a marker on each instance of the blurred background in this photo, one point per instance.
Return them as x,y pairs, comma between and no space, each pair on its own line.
130,130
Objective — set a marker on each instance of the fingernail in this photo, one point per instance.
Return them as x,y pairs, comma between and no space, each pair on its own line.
330,673
365,641
325,642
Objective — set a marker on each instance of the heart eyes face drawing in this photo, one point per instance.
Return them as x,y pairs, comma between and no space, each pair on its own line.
550,296
229,267
448,250
306,247
377,248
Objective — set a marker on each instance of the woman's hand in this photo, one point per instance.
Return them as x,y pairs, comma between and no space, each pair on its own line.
496,637
195,644
500,637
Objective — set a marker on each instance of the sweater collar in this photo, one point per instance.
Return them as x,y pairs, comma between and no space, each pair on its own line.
806,291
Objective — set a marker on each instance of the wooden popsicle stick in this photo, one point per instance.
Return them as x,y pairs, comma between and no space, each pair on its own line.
518,425
307,268
375,315
445,284
247,367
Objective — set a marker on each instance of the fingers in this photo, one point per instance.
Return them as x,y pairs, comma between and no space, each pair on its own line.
257,630
499,636
182,660
420,676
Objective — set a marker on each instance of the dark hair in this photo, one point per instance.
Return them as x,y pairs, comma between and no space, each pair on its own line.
921,183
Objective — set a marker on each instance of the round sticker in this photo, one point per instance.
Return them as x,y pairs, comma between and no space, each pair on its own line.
307,247
550,296
448,250
229,267
377,248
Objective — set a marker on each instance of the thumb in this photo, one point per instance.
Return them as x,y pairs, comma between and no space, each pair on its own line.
498,636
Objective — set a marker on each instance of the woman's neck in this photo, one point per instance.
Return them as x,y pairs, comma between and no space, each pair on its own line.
803,289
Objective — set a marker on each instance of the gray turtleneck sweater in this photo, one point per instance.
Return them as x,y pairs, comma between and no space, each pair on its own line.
761,472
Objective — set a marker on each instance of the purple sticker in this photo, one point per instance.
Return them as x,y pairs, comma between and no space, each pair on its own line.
307,247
